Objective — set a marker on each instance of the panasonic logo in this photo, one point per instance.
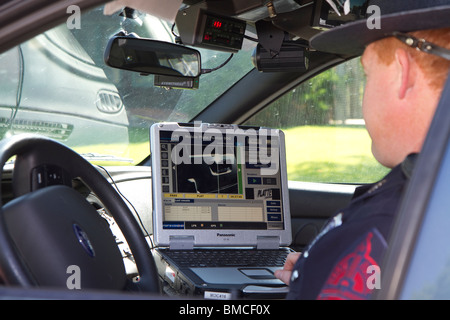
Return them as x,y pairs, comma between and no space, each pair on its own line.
226,235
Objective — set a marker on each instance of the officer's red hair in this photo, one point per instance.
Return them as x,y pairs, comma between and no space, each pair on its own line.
435,67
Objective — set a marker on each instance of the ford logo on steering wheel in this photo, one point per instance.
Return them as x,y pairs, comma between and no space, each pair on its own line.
83,240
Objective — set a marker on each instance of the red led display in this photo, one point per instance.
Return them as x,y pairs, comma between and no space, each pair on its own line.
223,33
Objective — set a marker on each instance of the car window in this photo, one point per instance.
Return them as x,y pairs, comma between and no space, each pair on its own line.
326,139
57,84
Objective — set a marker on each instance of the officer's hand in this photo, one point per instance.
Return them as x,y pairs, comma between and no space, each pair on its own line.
285,274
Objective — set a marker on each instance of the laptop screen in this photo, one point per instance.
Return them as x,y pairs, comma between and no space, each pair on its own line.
218,177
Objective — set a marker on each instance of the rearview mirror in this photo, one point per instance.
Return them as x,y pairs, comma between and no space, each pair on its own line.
152,57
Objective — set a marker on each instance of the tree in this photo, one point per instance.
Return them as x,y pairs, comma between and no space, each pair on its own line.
329,98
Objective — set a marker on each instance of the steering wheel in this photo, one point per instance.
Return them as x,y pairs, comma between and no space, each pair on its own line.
51,236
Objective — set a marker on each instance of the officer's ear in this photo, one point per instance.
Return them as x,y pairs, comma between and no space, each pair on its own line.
406,75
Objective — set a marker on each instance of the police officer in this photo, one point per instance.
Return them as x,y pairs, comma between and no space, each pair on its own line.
406,58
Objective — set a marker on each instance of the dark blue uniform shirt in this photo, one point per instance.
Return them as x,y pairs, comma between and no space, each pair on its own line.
342,262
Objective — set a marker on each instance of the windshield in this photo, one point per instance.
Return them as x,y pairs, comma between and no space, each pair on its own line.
58,85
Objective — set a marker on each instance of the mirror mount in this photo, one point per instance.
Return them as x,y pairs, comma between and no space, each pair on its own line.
169,82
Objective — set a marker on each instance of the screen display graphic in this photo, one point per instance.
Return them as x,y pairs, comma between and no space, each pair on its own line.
218,181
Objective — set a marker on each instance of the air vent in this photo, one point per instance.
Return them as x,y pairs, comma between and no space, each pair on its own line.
108,101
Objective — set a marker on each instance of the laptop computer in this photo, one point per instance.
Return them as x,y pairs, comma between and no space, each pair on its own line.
221,220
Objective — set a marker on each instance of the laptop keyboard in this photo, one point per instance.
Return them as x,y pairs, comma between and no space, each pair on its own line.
227,258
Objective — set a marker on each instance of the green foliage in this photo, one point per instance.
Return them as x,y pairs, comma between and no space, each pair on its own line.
330,97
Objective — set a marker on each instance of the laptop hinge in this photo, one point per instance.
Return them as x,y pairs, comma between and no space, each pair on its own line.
267,242
181,242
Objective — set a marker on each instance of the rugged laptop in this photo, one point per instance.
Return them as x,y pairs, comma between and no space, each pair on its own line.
221,220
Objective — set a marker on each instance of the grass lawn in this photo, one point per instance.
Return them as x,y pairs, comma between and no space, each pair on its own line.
331,154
